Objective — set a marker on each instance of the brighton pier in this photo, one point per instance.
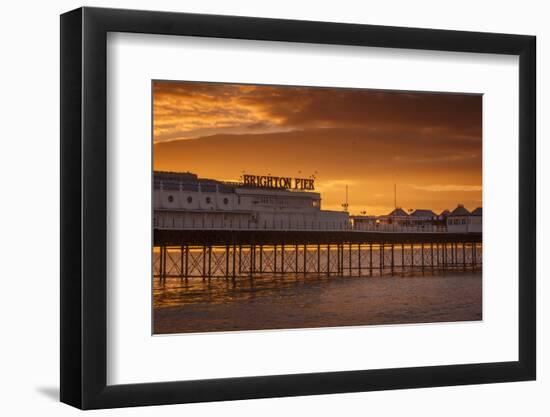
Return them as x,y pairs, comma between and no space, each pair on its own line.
208,229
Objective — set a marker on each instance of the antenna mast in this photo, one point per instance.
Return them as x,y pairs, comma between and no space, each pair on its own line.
395,195
346,205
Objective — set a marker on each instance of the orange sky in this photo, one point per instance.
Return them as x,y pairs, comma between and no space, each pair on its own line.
428,144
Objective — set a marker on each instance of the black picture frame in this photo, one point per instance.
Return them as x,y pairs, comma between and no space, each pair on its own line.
84,207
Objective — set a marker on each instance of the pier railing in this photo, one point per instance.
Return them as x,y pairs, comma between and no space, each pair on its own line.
222,223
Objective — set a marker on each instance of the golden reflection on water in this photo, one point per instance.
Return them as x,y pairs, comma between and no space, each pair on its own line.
174,292
298,301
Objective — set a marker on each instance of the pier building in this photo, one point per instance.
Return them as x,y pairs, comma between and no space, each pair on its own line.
364,222
460,220
185,201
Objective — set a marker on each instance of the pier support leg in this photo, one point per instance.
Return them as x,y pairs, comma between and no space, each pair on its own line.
254,254
251,268
318,259
328,260
370,259
463,256
422,255
181,261
161,264
454,253
402,257
342,259
350,250
226,261
305,259
234,261
209,262
165,260
203,272
186,262
392,258
359,259
240,259
381,256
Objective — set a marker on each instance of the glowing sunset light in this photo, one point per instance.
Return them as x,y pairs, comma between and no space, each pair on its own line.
429,144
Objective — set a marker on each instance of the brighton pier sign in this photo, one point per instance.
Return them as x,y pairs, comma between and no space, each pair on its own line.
286,183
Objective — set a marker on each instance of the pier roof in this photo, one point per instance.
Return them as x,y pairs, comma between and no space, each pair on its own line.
423,213
477,212
173,180
460,210
398,212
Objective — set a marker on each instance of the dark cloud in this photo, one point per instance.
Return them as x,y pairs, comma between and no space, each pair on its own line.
313,107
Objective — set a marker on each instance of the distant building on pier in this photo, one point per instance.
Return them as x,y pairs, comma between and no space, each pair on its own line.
397,217
460,220
422,218
419,220
364,222
476,220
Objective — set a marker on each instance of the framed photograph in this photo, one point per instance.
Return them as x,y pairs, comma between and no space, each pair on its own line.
257,208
